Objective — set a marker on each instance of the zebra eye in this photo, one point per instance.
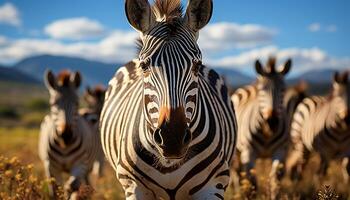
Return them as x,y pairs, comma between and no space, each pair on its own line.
145,65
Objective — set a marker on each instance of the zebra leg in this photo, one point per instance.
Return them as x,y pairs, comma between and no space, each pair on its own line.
216,187
51,172
323,166
277,171
248,159
133,189
77,175
296,163
346,169
322,171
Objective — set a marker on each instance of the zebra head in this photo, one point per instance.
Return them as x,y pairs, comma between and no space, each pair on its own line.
94,97
271,87
170,60
64,99
341,96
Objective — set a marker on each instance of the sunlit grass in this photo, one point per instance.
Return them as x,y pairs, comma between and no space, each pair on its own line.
23,142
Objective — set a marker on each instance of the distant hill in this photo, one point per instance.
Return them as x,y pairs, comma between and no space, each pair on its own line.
316,76
14,75
234,77
93,72
98,72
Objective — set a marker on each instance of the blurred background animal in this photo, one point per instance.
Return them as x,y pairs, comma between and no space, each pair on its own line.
66,143
94,98
261,118
322,124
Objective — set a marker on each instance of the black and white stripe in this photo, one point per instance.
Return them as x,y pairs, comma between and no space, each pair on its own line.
261,118
322,125
94,98
168,126
66,143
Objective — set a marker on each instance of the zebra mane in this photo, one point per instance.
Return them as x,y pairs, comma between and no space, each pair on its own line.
167,10
271,64
139,45
100,88
63,78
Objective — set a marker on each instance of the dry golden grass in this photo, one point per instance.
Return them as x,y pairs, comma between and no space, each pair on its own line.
21,143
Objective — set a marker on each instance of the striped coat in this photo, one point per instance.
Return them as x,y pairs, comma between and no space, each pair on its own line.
322,124
168,126
261,118
94,97
66,142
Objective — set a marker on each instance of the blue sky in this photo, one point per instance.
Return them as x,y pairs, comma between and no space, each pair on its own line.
314,33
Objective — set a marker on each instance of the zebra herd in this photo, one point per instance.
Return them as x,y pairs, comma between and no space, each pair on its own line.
168,126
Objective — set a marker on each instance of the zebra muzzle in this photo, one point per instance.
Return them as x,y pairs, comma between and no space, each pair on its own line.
172,145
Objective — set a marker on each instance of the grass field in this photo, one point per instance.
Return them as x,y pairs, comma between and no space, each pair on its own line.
19,138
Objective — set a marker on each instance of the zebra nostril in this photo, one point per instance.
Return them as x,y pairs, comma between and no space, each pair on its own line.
187,137
157,137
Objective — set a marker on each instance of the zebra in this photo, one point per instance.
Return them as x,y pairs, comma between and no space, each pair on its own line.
168,126
293,96
94,98
66,142
262,125
322,124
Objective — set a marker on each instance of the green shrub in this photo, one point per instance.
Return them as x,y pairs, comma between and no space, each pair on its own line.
8,112
38,104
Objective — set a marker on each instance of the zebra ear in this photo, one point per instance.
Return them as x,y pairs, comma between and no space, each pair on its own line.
50,80
345,76
286,68
336,77
89,91
76,79
259,68
139,14
198,13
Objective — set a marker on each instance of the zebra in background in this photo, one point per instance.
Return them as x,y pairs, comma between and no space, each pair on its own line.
168,125
66,142
322,125
293,96
94,98
261,118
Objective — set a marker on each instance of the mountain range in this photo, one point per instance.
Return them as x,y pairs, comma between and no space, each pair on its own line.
32,69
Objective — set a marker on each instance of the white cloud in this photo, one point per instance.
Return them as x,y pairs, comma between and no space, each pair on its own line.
3,40
225,36
331,28
314,27
119,46
9,15
74,28
304,59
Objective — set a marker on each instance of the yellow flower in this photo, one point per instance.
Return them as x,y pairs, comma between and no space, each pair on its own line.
14,160
18,177
33,179
8,173
30,166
